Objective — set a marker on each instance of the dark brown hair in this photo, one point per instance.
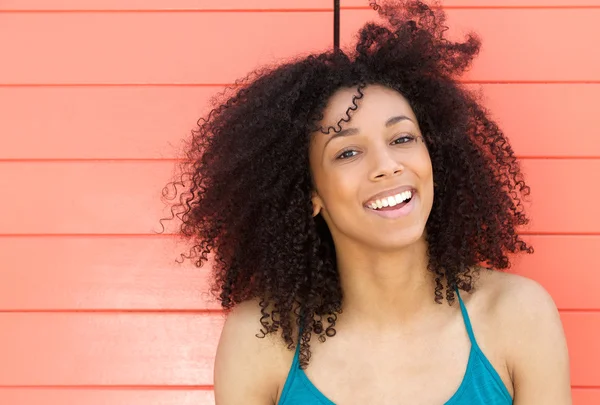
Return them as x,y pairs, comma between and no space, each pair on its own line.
248,196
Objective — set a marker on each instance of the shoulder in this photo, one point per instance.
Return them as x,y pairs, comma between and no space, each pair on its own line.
249,368
516,297
529,332
522,306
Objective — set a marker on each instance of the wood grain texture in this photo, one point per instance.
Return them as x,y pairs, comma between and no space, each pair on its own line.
565,266
84,197
140,273
100,273
125,197
586,396
583,334
175,349
77,48
140,5
106,396
151,122
128,349
528,46
99,122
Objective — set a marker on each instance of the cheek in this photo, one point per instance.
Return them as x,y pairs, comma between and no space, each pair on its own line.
423,167
338,188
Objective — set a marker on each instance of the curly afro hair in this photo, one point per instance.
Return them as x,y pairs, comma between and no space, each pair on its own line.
247,196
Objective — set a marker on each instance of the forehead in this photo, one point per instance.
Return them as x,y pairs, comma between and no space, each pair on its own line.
377,105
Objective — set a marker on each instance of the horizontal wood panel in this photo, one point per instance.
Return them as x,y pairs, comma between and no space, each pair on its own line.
257,4
108,349
100,349
84,197
575,209
59,396
491,3
98,122
140,273
528,46
100,273
108,396
583,334
546,119
124,197
151,122
590,396
566,267
164,47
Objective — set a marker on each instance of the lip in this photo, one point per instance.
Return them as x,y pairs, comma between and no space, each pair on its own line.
396,212
389,193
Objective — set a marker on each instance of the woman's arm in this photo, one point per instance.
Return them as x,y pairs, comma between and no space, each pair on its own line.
246,366
537,350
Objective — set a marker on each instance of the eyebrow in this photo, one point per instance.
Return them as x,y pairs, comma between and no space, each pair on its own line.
354,131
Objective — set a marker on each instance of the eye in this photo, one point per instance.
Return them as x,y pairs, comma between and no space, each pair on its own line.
404,139
347,154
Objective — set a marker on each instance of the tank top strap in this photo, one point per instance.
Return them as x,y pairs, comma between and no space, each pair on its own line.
296,360
466,319
300,330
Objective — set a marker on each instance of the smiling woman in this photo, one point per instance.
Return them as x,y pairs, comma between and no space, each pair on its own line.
352,198
374,185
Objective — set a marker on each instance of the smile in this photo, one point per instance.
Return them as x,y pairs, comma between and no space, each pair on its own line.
391,201
395,206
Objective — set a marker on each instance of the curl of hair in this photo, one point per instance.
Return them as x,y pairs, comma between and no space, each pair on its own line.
247,200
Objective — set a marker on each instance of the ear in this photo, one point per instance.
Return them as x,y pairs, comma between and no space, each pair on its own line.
317,204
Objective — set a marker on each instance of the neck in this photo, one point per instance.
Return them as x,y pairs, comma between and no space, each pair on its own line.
385,288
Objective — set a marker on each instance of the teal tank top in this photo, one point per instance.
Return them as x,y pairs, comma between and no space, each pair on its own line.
481,384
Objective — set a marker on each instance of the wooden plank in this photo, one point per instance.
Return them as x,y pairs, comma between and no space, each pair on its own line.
140,273
150,122
163,47
85,197
583,334
124,197
176,349
100,273
109,396
540,120
258,4
525,51
108,349
98,122
566,267
572,212
586,396
494,3
65,396
77,48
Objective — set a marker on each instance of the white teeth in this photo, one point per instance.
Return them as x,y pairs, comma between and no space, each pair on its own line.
391,201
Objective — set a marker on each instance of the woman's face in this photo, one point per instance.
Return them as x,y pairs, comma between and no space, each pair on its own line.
374,180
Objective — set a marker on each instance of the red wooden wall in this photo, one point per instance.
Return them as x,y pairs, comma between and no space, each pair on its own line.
94,98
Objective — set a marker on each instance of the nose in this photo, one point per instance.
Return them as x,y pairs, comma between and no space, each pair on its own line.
385,164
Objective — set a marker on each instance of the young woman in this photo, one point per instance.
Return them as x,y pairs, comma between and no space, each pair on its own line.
358,209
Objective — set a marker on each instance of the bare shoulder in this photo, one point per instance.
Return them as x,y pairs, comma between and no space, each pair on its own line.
520,305
520,298
249,368
530,332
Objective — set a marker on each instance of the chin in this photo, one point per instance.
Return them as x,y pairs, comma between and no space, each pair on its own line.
396,241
